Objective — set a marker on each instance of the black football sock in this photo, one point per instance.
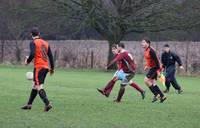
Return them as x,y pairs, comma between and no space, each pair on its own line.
153,90
32,96
158,91
120,94
43,96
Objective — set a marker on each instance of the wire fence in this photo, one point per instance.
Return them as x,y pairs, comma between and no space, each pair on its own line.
93,54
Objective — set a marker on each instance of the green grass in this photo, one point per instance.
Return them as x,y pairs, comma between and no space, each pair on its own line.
78,105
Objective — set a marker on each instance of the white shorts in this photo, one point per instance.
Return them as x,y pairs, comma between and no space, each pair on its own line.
124,77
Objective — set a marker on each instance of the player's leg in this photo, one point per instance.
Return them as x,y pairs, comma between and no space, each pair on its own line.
119,75
167,85
167,81
109,86
150,81
154,78
42,93
168,78
173,80
120,93
162,96
125,80
109,89
176,85
33,93
138,88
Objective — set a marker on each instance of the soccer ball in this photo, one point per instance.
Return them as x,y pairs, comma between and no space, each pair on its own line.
29,75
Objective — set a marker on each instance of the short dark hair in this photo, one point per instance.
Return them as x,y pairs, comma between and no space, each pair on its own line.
147,40
121,45
166,45
114,46
35,31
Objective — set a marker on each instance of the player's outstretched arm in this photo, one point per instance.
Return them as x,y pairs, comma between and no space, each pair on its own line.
155,58
119,57
31,55
51,61
178,59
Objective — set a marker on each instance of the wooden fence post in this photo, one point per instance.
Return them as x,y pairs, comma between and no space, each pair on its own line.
2,51
92,59
186,56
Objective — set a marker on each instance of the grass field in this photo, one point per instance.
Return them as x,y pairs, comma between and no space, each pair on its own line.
77,104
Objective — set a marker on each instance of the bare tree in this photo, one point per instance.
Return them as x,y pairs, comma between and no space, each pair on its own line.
14,24
114,19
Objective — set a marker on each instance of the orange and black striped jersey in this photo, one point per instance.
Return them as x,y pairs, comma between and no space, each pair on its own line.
151,58
41,52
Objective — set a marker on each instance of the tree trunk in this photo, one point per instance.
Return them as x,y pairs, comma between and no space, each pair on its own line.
111,56
18,52
187,56
2,51
92,60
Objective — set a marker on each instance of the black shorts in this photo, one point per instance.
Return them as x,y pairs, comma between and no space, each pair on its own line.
152,73
39,75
